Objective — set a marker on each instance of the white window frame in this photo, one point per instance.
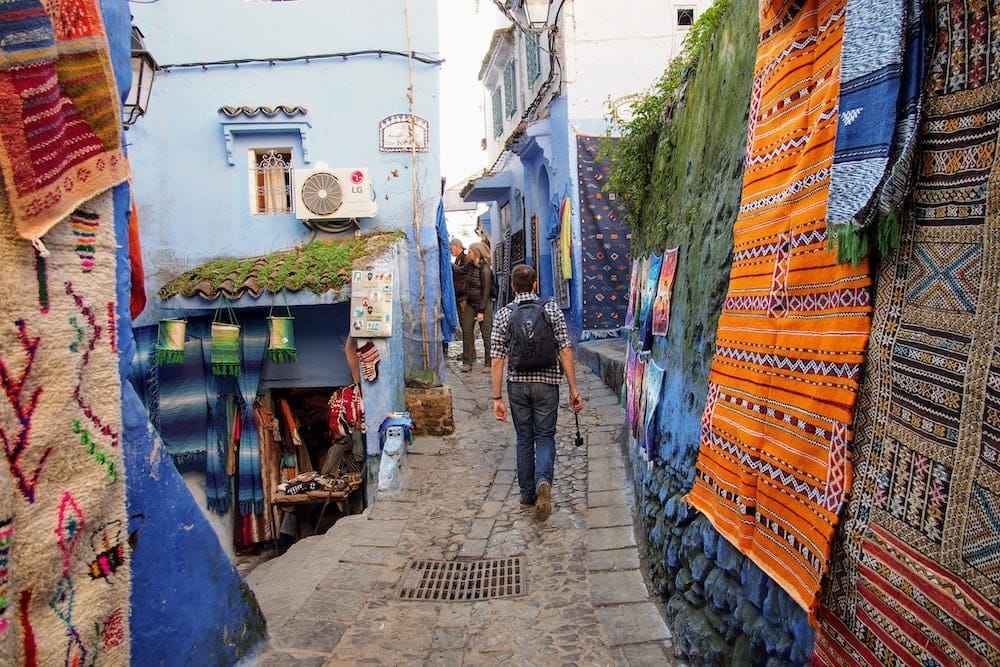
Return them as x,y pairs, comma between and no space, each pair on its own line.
259,206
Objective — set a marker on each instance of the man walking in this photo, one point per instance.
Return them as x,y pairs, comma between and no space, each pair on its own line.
533,337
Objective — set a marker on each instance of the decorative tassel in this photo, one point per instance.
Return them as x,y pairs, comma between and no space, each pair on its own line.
225,369
849,241
887,234
282,356
170,356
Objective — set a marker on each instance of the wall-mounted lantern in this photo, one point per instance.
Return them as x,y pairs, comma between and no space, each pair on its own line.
537,12
143,70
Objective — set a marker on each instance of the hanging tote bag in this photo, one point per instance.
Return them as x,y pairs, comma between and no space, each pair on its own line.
225,343
281,337
170,338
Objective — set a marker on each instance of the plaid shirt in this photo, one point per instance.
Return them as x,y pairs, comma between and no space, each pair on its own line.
500,340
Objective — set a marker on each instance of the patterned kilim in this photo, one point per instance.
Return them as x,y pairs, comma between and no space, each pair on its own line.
916,575
64,556
60,124
605,242
773,466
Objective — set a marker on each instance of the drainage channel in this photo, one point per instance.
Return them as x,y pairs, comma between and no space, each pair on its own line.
463,581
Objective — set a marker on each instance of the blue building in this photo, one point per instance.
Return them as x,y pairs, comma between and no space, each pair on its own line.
281,139
551,79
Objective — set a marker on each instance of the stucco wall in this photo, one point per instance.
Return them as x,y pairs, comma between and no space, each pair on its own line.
188,603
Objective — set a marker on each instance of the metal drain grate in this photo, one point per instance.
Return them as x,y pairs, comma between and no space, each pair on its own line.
463,581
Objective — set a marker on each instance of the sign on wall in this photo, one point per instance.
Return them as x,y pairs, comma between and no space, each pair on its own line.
403,132
371,303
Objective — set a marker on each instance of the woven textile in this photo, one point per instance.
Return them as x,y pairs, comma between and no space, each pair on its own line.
916,577
60,124
879,104
773,466
64,557
605,242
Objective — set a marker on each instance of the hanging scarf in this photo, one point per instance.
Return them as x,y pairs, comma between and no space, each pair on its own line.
876,133
251,492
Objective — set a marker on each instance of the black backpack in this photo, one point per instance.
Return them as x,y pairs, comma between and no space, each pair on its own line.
533,345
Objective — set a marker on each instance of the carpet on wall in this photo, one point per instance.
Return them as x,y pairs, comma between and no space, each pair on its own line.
605,242
773,463
64,553
916,576
60,124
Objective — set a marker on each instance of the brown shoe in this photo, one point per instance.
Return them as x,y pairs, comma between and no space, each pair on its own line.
466,368
543,503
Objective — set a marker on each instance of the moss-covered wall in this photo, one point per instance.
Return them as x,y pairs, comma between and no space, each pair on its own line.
721,607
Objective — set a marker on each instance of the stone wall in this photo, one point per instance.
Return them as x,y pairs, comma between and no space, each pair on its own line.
721,607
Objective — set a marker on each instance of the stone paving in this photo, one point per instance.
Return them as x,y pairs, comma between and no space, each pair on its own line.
331,599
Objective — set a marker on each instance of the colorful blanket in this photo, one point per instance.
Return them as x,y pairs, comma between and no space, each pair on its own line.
881,55
605,242
65,577
773,466
916,577
60,124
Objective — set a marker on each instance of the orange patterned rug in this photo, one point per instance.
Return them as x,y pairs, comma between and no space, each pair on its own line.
773,466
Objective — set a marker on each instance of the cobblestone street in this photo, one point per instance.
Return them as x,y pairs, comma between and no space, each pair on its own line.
332,599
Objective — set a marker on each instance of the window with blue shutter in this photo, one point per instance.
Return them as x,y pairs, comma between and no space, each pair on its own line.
497,114
531,62
510,102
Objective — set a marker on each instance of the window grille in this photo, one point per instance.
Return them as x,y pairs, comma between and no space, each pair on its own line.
517,247
510,103
532,65
685,17
497,114
272,176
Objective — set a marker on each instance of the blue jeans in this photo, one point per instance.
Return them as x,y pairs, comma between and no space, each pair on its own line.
534,407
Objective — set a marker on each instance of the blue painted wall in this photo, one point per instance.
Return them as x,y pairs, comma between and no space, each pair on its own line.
188,604
194,204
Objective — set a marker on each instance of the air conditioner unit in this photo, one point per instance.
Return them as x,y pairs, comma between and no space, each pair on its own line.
326,193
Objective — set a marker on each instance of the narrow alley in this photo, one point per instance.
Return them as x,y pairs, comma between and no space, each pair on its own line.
334,599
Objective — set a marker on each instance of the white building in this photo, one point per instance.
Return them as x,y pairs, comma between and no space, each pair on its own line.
550,80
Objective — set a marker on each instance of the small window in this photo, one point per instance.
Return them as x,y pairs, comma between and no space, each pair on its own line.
497,113
685,17
510,103
272,179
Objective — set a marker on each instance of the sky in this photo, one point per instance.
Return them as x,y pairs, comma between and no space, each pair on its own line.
466,27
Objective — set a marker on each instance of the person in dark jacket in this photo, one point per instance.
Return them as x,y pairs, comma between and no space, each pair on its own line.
472,311
458,259
480,255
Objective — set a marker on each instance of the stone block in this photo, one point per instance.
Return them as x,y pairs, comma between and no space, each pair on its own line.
617,587
613,559
431,410
632,623
610,538
607,517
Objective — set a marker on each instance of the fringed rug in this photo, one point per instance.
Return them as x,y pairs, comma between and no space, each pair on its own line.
60,126
917,569
773,466
64,569
605,242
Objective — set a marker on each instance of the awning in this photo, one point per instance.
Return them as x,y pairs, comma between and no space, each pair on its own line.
489,188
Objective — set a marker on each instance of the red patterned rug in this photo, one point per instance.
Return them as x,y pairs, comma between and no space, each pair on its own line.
60,124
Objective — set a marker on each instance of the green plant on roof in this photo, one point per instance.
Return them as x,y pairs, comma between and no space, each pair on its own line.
318,266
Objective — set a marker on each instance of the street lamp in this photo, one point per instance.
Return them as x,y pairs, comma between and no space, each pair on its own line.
143,70
537,12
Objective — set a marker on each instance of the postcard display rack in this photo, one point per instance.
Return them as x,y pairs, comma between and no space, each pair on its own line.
371,303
